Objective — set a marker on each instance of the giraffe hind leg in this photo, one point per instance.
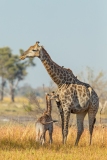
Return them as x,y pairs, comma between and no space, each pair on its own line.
37,136
50,137
50,133
80,126
92,120
37,132
42,137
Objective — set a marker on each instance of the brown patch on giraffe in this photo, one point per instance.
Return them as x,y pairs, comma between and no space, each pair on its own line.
71,89
73,86
84,95
80,87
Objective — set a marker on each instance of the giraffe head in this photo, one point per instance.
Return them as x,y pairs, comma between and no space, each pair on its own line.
33,51
52,96
55,96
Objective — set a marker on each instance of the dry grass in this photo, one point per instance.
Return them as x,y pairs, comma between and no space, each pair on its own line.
9,108
18,143
17,99
15,108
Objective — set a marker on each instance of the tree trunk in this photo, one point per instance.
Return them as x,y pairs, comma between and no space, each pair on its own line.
12,95
2,88
2,93
12,91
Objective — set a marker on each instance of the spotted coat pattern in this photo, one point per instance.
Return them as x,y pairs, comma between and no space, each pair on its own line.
75,96
45,122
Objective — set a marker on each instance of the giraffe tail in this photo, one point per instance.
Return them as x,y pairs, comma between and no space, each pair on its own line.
53,121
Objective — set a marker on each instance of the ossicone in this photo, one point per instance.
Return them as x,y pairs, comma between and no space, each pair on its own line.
37,42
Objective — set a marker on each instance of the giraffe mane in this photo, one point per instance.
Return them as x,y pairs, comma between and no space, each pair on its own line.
51,59
68,69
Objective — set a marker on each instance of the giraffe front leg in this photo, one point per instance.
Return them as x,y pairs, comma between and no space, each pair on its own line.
62,122
61,114
62,118
66,116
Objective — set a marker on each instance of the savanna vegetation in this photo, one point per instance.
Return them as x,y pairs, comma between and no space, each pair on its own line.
18,142
17,138
12,71
21,106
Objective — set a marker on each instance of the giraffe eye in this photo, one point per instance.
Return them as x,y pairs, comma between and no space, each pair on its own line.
34,50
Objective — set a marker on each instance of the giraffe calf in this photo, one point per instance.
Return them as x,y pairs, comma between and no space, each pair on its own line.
45,122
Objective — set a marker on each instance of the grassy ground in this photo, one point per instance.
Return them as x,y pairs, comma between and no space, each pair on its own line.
9,108
18,143
17,108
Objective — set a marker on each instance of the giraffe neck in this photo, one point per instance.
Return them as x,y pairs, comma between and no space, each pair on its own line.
58,74
49,106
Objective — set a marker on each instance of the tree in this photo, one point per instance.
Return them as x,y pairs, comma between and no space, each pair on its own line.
97,81
15,70
5,54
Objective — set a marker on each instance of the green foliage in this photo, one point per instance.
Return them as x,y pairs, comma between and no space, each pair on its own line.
11,68
5,54
28,107
15,69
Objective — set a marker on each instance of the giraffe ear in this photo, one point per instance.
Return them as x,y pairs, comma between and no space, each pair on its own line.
37,43
46,93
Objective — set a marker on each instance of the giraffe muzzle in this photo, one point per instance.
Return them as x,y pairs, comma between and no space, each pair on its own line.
22,57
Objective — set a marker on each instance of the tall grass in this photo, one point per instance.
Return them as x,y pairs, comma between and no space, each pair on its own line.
18,143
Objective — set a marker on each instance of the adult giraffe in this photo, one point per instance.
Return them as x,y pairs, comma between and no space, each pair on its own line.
75,96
